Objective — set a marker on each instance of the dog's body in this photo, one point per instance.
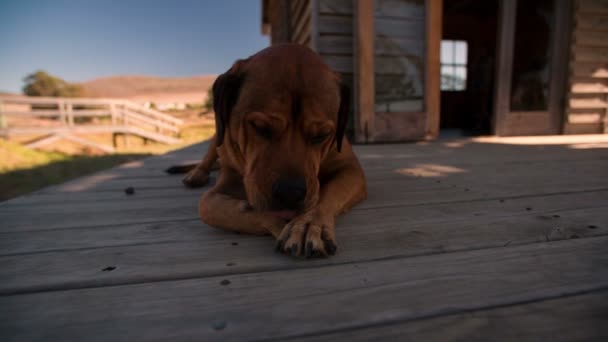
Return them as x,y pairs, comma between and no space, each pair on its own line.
285,167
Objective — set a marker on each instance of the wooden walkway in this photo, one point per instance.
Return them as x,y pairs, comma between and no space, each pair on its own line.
58,118
458,240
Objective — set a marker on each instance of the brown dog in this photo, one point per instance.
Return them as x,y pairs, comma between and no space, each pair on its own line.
286,168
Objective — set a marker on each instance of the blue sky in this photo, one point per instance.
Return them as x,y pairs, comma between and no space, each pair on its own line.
79,40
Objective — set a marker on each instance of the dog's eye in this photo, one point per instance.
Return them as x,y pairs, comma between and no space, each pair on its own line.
318,139
263,131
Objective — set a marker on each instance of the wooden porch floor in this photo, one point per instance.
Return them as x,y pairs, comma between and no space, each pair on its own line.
502,239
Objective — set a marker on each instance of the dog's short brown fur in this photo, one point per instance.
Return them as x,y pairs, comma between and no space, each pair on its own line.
285,166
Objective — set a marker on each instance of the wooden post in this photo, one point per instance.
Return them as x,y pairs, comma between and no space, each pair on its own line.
61,109
125,138
364,70
506,41
432,91
3,124
70,112
113,114
560,47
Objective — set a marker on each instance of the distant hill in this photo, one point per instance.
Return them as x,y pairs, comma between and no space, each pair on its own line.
153,89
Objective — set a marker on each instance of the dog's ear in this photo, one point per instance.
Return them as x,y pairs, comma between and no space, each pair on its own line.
226,90
343,114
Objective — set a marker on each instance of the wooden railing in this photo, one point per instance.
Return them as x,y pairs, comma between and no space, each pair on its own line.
53,118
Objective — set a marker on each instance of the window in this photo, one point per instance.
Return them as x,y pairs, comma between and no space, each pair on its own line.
453,65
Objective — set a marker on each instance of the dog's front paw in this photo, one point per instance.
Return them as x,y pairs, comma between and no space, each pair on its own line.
196,178
311,234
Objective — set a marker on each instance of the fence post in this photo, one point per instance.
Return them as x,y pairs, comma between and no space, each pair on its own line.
69,108
113,113
3,124
125,136
61,111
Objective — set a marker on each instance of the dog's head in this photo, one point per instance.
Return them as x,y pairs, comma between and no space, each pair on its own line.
278,115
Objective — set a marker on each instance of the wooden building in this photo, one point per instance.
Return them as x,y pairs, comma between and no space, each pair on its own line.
502,67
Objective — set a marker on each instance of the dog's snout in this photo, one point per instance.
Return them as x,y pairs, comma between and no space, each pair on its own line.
290,192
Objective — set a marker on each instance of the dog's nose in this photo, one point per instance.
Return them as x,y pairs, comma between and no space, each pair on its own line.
290,192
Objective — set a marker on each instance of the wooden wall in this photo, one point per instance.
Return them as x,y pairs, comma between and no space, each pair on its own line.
335,35
588,85
335,42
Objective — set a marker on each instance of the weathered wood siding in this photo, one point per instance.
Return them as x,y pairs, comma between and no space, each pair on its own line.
336,34
588,86
335,41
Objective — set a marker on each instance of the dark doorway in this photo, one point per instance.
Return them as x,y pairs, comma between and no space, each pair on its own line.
468,57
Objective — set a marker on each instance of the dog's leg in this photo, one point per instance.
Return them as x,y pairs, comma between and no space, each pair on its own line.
314,232
225,206
199,175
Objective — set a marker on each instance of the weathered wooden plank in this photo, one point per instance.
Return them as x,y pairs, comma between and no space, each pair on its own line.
589,54
317,300
540,207
588,101
403,185
581,85
399,9
577,318
68,198
590,69
464,155
585,118
336,7
343,64
460,152
526,123
84,211
590,38
336,45
398,28
397,126
583,128
329,24
176,250
593,22
593,6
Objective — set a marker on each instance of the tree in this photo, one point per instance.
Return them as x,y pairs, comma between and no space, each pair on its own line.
40,83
